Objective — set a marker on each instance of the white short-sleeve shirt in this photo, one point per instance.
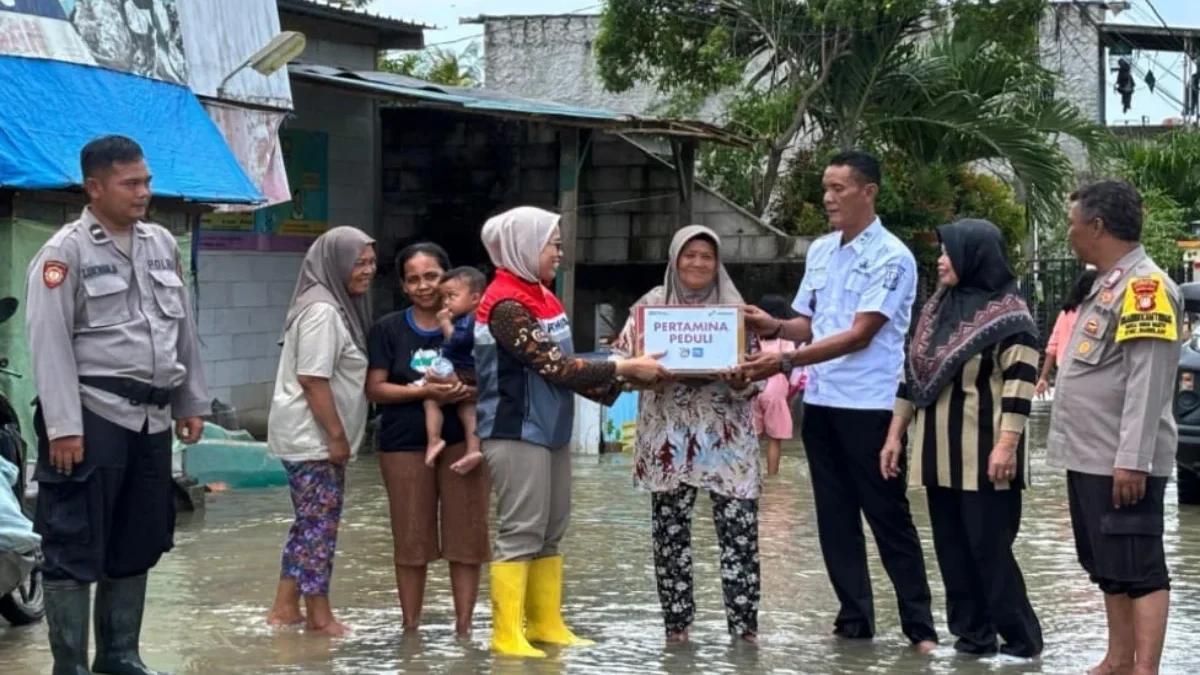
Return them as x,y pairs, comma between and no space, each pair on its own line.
318,344
873,273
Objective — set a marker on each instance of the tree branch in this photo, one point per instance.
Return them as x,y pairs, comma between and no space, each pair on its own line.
832,50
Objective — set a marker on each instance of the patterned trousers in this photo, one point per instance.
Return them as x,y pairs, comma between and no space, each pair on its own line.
317,490
736,521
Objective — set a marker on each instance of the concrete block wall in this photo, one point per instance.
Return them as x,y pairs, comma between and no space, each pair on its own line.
351,56
243,298
630,210
517,47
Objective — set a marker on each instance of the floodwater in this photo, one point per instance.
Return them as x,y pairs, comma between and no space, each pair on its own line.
208,597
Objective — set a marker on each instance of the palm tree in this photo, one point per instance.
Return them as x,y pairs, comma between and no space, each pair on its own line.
956,100
1168,163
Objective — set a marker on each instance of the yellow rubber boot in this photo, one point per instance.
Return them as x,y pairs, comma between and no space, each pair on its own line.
508,610
543,605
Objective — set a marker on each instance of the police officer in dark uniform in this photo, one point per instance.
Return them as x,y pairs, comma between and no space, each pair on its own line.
116,360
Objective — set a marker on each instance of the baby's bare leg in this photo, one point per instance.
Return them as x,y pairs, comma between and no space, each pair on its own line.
473,456
466,413
433,431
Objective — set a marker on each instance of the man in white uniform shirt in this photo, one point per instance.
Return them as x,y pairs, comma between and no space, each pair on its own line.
855,304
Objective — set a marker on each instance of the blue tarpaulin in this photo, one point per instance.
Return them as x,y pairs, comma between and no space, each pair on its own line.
51,109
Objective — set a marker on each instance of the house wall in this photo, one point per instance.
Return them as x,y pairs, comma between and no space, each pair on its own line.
1070,46
243,295
445,174
518,47
517,50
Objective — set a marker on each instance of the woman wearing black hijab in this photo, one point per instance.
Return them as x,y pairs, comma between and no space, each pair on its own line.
972,370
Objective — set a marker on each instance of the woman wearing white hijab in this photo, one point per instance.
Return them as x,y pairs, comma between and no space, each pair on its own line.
527,379
319,414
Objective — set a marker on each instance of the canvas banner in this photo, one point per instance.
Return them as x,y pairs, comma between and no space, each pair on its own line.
141,37
194,43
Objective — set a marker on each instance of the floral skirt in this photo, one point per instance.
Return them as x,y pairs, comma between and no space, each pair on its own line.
736,521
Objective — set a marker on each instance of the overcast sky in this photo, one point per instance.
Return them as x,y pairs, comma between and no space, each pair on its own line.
1167,67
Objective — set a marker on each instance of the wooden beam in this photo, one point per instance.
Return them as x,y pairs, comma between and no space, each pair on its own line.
568,205
684,151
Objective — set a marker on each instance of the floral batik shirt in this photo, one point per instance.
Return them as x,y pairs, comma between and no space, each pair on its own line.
698,433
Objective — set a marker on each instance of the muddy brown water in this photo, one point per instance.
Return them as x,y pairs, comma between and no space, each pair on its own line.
209,596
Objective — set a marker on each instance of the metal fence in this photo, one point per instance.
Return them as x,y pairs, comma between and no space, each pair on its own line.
1044,284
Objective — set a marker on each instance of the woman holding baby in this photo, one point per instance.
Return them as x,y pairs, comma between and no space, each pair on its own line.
437,492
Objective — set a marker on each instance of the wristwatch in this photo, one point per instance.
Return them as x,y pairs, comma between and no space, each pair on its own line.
785,363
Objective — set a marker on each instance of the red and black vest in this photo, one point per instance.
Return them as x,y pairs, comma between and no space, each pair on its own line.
514,402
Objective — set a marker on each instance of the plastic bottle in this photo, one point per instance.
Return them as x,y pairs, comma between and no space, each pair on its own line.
441,367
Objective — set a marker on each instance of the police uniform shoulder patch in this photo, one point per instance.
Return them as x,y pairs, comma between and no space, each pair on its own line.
54,272
1146,311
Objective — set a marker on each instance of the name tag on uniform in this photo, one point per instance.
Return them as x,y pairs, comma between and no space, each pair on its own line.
160,264
98,270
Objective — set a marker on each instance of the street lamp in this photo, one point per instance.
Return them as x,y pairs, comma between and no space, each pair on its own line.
281,49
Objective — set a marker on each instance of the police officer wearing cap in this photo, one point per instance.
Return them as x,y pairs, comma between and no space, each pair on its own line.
116,360
1112,426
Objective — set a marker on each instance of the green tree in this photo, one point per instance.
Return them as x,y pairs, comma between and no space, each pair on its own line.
885,74
1169,163
441,66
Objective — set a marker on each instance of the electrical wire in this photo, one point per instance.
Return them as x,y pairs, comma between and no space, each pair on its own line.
1161,92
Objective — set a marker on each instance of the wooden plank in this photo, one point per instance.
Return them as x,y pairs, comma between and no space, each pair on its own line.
568,204
684,151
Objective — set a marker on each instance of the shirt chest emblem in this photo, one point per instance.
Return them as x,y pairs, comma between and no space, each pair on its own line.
422,359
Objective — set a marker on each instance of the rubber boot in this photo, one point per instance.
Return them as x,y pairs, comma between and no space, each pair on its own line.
119,607
68,605
508,610
543,605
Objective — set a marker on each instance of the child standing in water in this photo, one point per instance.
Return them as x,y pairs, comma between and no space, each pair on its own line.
461,288
773,406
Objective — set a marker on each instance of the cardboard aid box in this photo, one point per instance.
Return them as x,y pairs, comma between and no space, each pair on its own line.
697,340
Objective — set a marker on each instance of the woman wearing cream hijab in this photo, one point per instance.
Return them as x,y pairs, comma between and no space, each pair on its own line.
527,381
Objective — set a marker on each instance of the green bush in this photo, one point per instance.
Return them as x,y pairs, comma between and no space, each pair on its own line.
913,200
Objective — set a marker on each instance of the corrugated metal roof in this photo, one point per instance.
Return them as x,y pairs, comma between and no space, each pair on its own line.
495,103
383,24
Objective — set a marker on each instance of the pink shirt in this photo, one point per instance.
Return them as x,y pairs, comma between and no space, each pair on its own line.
1060,335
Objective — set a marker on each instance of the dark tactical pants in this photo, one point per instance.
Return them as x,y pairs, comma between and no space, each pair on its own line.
114,515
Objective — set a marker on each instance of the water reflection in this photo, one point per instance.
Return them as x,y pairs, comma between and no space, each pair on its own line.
208,598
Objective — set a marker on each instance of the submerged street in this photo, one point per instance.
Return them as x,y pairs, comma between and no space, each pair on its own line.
209,596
